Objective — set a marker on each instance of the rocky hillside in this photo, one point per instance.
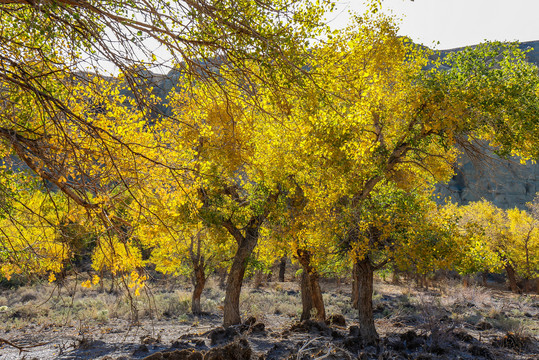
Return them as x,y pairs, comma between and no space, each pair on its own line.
506,183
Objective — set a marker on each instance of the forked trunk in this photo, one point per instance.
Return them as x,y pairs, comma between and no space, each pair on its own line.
282,268
367,330
306,297
231,306
355,286
512,277
313,284
199,281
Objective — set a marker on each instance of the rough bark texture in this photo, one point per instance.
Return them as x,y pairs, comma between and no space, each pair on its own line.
199,281
367,330
512,278
231,306
282,268
306,297
316,293
312,279
355,286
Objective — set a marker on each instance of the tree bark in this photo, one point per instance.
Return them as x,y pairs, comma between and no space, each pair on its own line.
304,257
511,276
355,286
199,281
234,282
306,297
316,293
282,268
367,330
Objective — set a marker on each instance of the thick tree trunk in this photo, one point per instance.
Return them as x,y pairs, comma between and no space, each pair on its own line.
355,286
231,306
316,293
282,268
306,297
511,276
304,257
199,281
367,330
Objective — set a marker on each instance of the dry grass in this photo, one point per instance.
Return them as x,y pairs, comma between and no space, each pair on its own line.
448,317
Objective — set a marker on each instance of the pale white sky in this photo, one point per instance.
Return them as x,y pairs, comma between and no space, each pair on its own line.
456,23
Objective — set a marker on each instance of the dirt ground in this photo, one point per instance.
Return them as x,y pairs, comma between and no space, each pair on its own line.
447,322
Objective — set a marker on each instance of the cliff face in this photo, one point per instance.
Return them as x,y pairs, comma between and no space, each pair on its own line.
506,183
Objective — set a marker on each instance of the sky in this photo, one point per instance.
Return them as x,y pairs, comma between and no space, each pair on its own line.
455,23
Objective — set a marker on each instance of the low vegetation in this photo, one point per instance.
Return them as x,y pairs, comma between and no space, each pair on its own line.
449,321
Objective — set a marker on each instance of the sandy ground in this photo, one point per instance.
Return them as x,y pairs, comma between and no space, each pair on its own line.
450,322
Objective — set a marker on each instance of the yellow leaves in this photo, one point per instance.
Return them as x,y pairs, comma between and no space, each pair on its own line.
91,282
30,235
136,282
116,256
491,238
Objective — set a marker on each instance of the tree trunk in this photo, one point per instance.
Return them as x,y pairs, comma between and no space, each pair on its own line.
199,280
258,279
511,276
355,286
316,293
395,279
222,278
367,330
282,268
306,297
304,257
234,282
